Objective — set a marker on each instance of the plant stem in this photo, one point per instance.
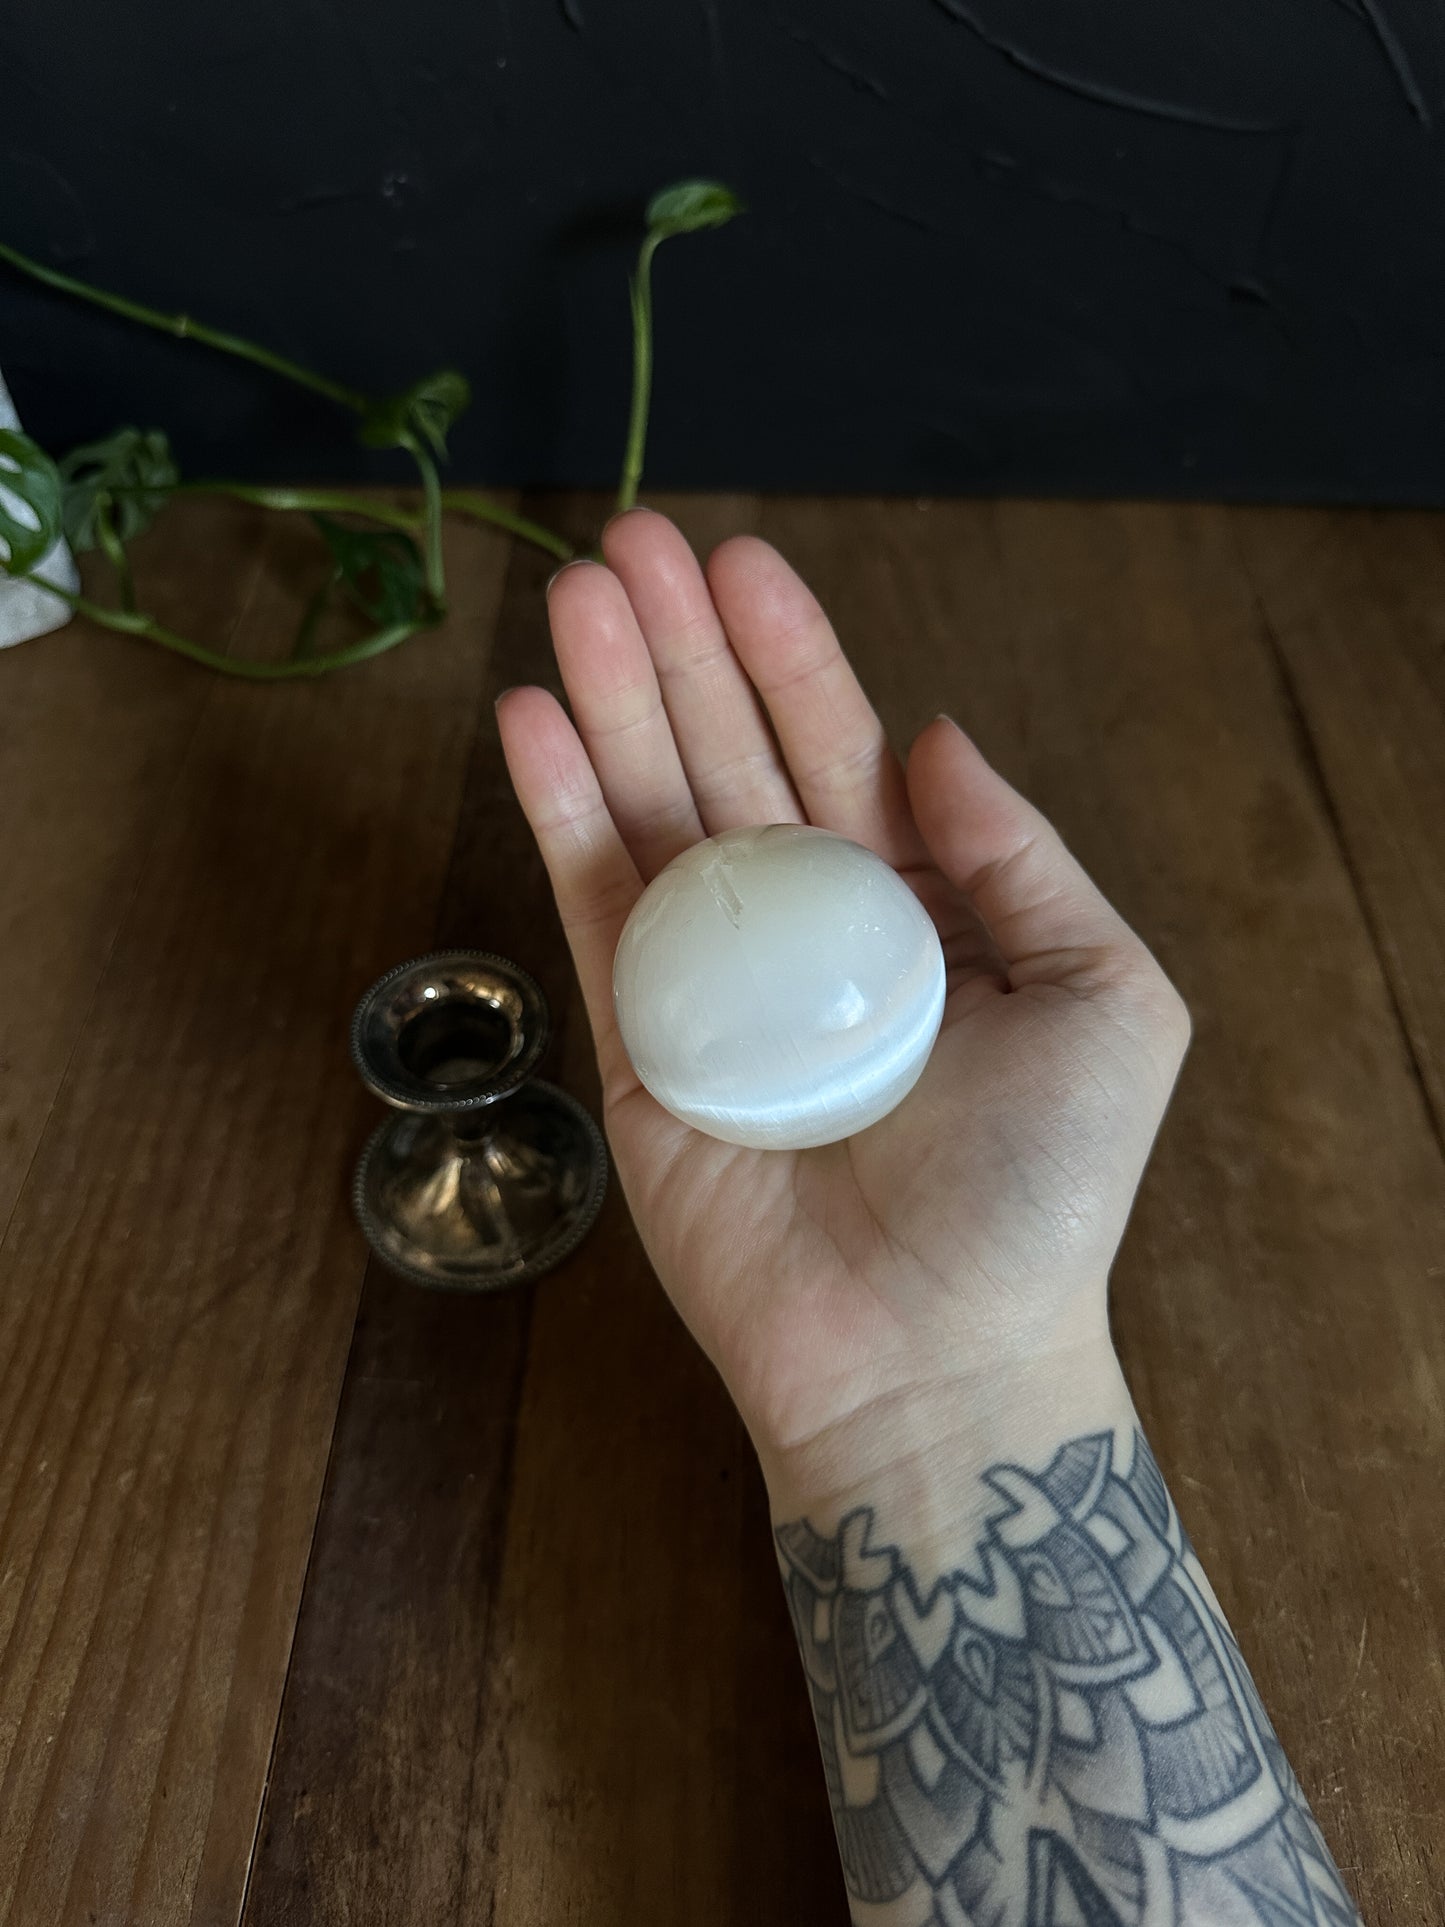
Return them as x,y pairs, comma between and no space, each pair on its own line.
640,288
436,579
292,670
465,502
189,329
327,501
341,502
109,538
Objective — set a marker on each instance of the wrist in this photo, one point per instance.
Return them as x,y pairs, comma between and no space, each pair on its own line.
1021,1678
914,1455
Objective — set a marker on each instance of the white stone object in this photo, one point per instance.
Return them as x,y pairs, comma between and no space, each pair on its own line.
25,608
779,987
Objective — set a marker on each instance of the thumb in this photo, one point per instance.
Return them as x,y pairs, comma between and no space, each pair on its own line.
1050,922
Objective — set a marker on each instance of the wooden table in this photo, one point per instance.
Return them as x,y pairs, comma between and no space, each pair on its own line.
324,1599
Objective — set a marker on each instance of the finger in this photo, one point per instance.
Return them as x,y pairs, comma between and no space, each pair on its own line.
612,687
732,761
837,753
593,878
1050,923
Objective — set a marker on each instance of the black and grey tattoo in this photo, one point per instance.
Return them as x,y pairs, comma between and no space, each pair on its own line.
1065,1735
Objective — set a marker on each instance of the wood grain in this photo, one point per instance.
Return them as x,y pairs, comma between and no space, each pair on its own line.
1275,1302
393,1637
645,1750
557,1547
179,1278
541,1670
1354,607
92,732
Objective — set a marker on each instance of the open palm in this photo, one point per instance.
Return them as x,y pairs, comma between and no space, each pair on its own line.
985,1210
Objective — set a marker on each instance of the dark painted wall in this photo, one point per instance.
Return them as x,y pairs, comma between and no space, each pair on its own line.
1083,245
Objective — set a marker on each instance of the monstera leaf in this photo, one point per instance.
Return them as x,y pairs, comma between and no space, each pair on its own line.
688,206
381,570
31,499
423,413
130,475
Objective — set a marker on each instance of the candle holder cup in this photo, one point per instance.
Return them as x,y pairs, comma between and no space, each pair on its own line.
484,1176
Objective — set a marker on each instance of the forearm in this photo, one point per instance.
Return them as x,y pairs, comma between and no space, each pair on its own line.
1030,1707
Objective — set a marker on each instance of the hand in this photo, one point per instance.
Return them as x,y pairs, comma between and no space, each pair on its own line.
841,1289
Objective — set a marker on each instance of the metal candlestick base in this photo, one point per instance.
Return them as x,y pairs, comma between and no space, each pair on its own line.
486,1177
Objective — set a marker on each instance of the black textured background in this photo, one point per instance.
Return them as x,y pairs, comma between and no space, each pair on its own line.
1080,246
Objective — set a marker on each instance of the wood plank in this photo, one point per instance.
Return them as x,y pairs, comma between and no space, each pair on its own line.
645,1752
1277,1300
180,1276
378,1725
92,733
1355,606
415,1692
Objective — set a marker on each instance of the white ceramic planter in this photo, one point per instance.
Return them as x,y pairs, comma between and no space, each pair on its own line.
25,609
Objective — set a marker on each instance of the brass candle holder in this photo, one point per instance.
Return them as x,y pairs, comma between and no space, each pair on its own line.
485,1176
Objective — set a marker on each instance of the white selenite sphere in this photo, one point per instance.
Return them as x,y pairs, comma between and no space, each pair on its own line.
779,987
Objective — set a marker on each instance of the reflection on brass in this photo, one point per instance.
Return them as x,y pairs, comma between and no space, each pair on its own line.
484,1176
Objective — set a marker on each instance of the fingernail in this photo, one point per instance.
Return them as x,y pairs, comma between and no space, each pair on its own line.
570,564
638,508
503,692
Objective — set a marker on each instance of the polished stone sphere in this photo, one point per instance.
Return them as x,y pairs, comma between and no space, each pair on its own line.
779,987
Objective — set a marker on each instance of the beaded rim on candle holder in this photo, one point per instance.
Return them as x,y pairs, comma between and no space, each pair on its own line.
408,1011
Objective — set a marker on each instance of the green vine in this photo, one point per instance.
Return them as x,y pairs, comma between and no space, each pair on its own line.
683,209
385,561
186,328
